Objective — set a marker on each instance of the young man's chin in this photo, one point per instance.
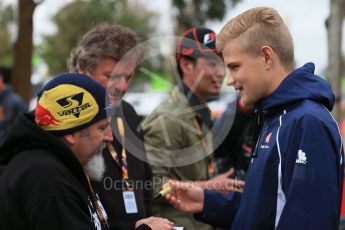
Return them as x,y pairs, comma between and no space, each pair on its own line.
95,167
247,103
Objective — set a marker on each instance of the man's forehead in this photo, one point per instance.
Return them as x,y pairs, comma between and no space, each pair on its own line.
125,65
102,122
232,53
128,60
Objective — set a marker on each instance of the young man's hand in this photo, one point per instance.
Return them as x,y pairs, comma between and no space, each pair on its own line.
185,196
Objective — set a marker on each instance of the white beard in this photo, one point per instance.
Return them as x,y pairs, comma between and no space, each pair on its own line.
95,167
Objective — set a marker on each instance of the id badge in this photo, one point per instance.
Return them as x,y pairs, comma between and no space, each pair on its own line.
130,203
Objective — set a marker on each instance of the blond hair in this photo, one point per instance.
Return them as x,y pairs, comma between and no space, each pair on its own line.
258,27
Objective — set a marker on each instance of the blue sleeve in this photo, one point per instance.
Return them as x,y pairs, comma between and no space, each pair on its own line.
312,175
219,210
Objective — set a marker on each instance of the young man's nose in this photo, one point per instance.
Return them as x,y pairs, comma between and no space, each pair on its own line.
230,80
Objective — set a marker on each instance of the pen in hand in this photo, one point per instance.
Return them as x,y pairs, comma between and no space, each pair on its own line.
162,193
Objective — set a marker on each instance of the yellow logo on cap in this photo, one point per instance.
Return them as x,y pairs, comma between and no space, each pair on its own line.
70,104
75,109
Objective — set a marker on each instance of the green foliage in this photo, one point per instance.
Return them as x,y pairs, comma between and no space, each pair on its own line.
191,13
76,18
6,47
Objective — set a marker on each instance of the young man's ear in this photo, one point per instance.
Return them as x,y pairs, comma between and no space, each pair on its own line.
267,55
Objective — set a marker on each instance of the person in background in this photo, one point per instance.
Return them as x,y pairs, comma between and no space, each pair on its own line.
177,133
235,150
295,177
10,104
109,54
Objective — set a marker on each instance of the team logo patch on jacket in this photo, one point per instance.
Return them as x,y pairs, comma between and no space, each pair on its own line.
268,138
265,145
301,158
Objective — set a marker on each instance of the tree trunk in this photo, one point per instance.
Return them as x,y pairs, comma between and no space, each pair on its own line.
334,71
21,78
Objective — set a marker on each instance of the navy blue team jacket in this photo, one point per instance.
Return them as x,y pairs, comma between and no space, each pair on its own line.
296,174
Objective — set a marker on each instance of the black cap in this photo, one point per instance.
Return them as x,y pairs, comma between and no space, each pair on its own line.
196,42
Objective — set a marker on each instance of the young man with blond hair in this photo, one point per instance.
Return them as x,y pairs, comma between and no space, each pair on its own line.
295,176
